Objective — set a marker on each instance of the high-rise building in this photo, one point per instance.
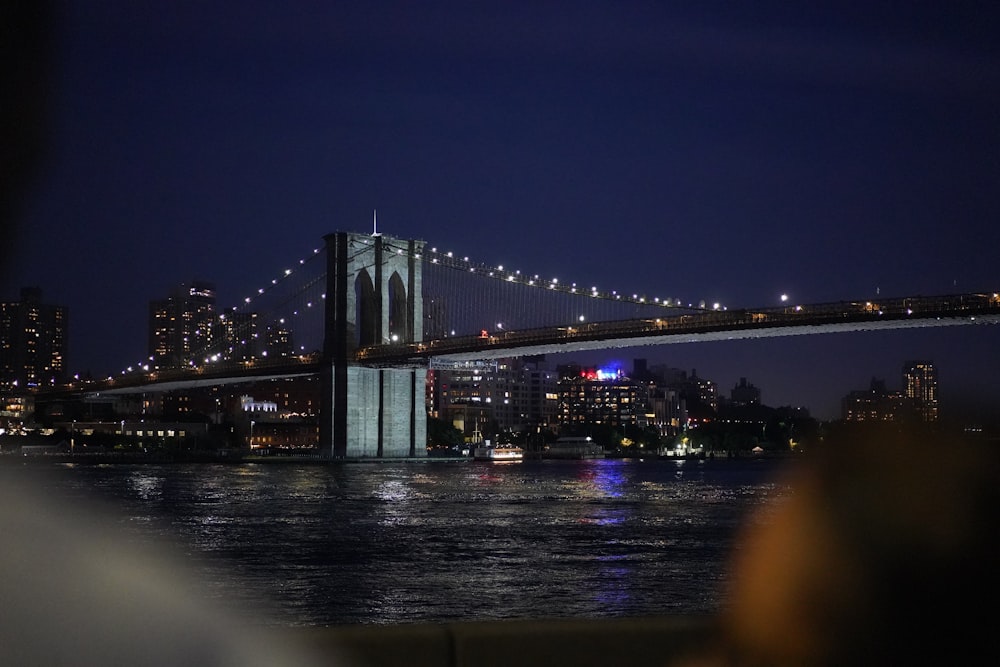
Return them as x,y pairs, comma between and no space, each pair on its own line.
182,326
920,386
33,341
242,335
594,396
517,394
669,410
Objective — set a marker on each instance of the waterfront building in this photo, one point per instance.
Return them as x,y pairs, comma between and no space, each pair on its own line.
295,397
15,409
268,427
248,404
920,386
670,392
160,432
292,397
596,396
669,410
699,396
515,395
33,341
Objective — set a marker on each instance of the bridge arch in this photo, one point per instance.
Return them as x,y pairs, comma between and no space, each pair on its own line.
399,329
366,314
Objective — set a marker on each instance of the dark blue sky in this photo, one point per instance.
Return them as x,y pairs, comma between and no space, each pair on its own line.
713,151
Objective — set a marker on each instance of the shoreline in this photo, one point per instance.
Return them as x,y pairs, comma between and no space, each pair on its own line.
238,459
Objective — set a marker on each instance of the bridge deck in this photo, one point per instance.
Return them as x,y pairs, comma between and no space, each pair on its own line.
702,326
686,327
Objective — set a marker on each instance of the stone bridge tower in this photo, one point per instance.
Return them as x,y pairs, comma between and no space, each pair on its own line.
373,296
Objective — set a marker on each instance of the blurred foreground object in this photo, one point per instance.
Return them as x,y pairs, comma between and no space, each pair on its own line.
885,553
76,591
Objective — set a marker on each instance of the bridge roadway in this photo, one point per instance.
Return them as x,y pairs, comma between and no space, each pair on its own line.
700,326
211,375
687,327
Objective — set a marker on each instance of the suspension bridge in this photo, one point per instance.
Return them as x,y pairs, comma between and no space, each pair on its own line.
370,314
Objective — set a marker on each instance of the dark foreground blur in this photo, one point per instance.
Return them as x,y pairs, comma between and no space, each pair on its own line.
886,553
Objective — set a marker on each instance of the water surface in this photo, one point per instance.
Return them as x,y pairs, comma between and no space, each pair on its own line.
429,541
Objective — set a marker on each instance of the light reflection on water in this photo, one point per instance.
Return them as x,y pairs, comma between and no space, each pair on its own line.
147,487
428,541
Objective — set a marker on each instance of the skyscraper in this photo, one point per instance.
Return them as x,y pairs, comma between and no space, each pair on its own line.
183,325
33,340
245,336
920,386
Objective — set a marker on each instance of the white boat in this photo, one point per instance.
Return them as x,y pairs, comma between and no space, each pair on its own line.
498,453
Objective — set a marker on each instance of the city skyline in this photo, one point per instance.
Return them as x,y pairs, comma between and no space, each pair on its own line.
203,306
710,152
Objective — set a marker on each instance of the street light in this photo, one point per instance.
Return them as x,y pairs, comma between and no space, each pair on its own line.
252,422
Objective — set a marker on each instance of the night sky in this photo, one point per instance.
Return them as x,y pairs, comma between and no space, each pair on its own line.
717,151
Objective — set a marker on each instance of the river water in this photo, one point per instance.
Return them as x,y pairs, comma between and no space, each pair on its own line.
426,541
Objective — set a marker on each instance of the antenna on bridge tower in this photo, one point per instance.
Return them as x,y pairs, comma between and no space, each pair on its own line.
374,222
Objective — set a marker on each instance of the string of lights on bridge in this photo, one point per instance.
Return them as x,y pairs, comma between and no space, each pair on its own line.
245,306
450,260
446,259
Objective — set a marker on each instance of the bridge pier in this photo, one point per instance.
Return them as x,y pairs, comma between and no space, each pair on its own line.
373,296
383,414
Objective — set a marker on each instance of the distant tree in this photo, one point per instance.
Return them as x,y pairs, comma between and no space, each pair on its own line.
737,441
707,437
512,437
440,432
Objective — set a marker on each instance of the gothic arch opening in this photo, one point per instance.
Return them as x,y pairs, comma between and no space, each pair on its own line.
399,330
367,315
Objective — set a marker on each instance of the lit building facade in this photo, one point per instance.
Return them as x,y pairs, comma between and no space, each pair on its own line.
517,394
33,341
245,337
185,328
669,410
703,391
182,326
281,417
920,386
876,404
593,396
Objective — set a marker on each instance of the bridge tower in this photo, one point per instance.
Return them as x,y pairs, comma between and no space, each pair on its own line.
373,295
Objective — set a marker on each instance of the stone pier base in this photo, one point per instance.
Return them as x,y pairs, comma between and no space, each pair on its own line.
384,414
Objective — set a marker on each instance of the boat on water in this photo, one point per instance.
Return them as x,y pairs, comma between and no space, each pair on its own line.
572,447
498,453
